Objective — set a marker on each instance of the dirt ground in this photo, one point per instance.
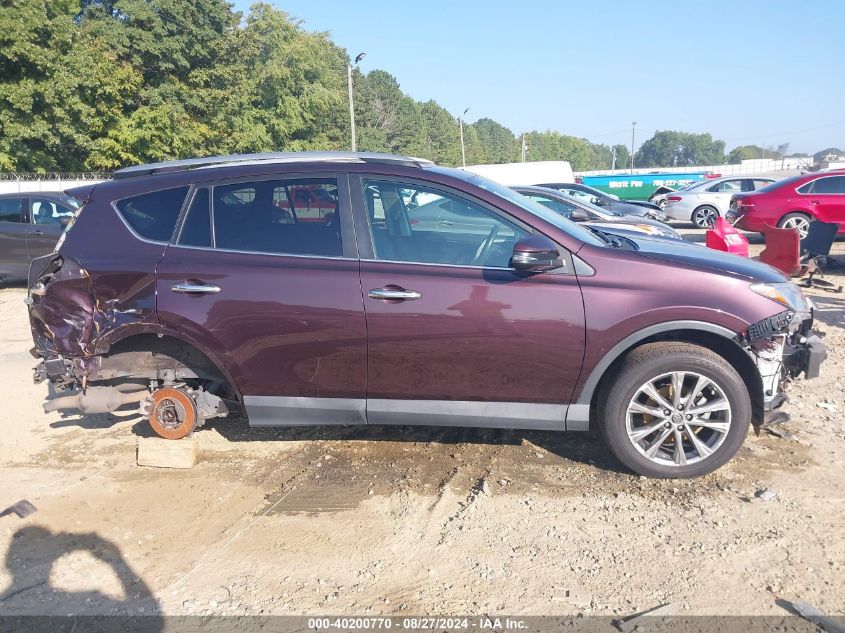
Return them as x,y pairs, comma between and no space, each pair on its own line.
410,520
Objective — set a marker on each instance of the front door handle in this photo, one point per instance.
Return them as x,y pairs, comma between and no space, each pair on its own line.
38,232
187,287
394,293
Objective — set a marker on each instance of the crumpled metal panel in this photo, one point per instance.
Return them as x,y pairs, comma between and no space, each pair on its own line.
70,317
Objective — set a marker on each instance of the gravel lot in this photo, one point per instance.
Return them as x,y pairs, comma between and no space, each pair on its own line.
409,520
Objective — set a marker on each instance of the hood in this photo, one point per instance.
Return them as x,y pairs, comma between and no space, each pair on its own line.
705,258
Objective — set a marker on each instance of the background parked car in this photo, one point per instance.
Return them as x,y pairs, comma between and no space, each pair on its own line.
703,202
606,200
659,197
792,203
579,210
30,226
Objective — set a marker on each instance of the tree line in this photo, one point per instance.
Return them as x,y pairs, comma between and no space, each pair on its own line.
101,84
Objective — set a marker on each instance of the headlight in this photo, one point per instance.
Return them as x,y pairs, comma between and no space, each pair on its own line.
785,293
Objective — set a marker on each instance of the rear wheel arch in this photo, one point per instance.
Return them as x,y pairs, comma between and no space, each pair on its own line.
794,212
713,337
188,352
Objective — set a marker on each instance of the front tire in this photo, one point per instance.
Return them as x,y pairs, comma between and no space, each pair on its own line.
705,216
675,410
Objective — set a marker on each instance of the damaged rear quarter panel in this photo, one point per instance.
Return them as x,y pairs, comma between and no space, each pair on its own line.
104,289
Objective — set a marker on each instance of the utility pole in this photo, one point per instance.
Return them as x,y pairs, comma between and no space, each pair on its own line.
524,148
613,158
351,102
463,150
633,131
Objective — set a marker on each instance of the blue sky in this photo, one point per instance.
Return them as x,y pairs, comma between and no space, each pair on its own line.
756,71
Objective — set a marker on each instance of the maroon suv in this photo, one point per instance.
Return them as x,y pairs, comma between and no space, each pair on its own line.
195,288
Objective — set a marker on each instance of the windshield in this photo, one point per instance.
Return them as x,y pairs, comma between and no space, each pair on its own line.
537,209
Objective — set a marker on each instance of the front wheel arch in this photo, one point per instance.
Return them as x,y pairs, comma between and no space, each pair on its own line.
717,339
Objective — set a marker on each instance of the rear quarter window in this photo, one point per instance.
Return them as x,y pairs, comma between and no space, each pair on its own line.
153,215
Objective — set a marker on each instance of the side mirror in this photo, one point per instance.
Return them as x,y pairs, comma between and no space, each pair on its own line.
579,215
601,202
535,254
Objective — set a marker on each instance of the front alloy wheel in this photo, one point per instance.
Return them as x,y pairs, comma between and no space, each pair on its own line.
674,410
678,418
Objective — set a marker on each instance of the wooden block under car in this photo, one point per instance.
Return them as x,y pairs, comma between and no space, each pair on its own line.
162,453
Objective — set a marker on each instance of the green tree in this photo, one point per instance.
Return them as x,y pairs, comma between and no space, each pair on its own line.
440,140
749,152
580,153
59,88
623,156
680,149
498,143
387,119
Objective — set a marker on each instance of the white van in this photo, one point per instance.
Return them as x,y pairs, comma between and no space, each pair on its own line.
530,173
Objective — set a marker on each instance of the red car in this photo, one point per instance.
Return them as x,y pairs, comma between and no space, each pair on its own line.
792,203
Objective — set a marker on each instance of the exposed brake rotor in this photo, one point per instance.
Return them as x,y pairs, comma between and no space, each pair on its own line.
173,413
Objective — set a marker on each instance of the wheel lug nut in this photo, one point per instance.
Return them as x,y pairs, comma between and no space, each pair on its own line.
667,426
680,407
689,417
680,427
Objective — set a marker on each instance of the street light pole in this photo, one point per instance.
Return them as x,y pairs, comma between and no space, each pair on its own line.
633,130
463,150
351,101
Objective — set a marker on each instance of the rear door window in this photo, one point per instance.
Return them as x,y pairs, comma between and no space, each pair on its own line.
197,228
727,186
153,215
10,210
45,211
832,184
286,217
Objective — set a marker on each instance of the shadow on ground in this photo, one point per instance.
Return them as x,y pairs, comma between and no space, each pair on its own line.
30,560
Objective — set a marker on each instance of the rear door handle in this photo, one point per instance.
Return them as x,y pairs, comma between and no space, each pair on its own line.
38,232
186,287
815,201
394,294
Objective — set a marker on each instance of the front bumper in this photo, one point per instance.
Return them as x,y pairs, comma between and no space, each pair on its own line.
783,348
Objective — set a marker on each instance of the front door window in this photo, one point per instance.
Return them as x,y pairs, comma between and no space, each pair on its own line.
418,224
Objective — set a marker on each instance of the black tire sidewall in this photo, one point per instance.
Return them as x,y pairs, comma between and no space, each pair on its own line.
628,382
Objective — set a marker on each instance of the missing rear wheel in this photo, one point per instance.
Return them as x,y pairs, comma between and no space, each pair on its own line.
173,413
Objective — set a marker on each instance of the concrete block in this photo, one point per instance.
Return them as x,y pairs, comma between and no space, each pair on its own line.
162,453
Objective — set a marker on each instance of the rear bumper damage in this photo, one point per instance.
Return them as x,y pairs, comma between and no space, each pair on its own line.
783,347
92,364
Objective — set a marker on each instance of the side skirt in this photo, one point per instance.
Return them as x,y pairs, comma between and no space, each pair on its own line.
294,411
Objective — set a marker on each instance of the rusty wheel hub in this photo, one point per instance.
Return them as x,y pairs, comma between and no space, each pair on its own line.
173,414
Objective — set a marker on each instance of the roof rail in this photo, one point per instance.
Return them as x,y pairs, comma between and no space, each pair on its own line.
268,158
